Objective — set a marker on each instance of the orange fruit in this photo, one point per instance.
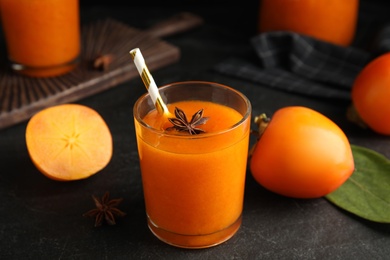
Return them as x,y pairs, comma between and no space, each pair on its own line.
68,142
333,21
371,94
301,154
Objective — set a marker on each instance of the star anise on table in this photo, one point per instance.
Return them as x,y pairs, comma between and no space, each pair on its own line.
181,124
106,209
102,62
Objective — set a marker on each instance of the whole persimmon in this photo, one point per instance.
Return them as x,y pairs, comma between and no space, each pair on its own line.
68,142
300,153
333,21
371,95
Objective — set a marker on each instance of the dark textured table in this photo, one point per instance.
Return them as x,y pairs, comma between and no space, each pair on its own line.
42,219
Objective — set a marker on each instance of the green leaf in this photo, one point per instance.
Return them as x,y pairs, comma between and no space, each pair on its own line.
367,192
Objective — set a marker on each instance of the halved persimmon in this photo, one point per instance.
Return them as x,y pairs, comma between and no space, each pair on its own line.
69,142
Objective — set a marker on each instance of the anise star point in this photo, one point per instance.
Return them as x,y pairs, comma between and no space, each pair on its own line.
181,123
105,210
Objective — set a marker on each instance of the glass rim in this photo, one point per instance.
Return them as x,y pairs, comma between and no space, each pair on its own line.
198,136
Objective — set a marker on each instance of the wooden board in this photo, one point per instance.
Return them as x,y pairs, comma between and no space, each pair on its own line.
21,97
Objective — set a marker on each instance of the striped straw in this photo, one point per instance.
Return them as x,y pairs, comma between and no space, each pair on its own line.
148,80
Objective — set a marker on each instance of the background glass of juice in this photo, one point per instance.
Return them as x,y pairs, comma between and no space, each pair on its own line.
194,184
333,21
42,36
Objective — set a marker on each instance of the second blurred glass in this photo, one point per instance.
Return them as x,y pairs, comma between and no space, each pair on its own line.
42,36
328,20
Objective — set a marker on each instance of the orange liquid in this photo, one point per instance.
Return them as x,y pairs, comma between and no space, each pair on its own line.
334,21
43,35
194,188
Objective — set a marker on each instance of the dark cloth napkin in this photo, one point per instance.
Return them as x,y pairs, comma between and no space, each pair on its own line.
301,64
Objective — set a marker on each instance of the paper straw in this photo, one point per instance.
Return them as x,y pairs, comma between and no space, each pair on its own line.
148,80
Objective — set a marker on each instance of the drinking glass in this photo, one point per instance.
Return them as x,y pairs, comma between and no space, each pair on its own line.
332,21
42,36
194,184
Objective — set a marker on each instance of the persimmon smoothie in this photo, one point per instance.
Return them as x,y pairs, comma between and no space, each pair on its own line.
42,36
194,183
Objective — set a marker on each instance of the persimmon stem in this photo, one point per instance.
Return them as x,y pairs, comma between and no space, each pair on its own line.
262,122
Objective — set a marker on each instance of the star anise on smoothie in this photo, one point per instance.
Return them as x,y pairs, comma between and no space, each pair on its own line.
181,124
106,209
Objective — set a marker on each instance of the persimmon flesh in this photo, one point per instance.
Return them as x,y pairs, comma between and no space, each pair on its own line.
371,94
301,154
68,142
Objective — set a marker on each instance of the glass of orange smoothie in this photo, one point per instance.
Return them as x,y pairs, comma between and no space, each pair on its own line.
194,183
42,36
333,21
